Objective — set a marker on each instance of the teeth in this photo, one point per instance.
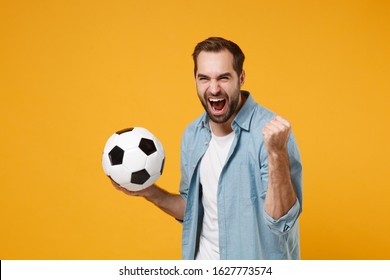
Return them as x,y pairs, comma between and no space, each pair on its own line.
216,99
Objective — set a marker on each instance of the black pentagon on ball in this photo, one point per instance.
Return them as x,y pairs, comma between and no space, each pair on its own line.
147,146
116,155
139,177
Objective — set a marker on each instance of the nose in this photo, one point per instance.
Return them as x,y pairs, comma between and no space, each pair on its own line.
214,87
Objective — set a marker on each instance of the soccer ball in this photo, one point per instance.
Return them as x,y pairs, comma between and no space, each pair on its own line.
133,158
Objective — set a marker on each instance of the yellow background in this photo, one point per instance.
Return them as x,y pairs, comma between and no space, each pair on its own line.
74,72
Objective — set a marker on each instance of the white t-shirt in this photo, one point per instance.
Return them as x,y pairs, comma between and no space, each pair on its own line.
210,169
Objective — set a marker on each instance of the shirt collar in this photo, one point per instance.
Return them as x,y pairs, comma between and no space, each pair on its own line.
244,116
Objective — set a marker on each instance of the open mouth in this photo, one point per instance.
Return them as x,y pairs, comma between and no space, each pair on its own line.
217,104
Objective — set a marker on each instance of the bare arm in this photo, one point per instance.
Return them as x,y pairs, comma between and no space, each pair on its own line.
280,194
172,204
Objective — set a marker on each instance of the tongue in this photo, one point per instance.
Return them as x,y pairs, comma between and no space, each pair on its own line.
219,105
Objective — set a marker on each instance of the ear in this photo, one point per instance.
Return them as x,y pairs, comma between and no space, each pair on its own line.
242,77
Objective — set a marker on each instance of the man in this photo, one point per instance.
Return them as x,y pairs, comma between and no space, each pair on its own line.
241,186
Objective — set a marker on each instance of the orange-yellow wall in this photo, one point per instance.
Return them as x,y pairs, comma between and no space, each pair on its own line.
73,72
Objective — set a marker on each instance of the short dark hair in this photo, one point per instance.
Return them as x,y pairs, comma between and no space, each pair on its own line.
217,44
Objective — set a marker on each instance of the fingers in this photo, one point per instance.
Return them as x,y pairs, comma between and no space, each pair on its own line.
276,133
274,127
278,123
114,183
126,191
282,120
122,189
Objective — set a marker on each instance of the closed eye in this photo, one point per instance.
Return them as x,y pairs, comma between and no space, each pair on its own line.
202,77
224,76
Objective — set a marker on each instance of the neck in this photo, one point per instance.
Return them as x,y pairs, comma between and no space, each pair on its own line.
221,129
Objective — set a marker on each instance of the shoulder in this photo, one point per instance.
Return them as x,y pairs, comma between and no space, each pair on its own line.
261,116
195,125
193,129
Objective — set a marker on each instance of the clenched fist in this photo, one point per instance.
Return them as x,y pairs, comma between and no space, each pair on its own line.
276,133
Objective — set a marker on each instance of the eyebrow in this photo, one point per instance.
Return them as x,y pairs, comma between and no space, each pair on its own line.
202,76
219,76
228,74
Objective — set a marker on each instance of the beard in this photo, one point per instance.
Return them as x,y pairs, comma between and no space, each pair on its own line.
231,103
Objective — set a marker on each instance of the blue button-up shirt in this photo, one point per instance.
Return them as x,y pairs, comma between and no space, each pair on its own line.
246,231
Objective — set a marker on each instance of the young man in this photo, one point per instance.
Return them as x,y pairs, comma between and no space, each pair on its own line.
241,186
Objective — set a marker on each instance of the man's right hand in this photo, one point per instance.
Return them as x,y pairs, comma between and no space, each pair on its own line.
172,204
126,191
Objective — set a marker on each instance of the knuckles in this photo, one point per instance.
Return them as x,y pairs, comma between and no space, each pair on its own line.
276,130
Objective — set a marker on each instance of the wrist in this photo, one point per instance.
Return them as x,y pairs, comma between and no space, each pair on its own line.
152,194
278,153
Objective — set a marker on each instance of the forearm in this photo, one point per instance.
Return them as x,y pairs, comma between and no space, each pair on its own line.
172,204
280,194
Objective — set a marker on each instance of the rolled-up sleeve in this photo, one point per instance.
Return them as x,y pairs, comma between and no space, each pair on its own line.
286,222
